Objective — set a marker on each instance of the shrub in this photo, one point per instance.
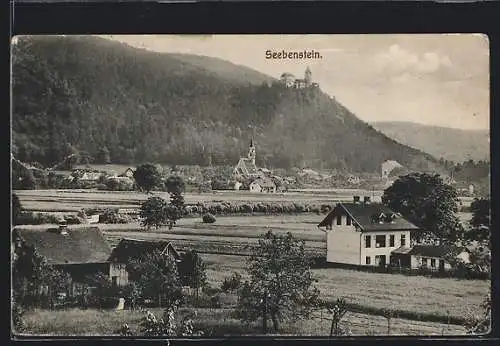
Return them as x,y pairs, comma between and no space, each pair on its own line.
208,218
29,218
72,219
232,283
112,216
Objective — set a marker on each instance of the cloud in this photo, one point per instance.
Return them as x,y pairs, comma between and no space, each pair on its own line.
399,60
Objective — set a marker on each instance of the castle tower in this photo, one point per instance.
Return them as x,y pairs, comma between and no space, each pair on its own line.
308,76
251,152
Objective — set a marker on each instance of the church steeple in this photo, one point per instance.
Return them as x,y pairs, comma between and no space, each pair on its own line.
251,152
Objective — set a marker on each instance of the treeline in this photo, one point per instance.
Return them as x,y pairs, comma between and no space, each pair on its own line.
123,105
468,171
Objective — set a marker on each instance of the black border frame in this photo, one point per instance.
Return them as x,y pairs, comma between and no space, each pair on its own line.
280,17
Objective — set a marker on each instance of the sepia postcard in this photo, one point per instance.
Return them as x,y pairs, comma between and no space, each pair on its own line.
245,185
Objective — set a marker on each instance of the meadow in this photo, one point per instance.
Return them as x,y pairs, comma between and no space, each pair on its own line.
220,322
225,243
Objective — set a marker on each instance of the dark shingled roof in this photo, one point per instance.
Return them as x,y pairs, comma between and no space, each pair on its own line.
363,215
248,165
435,250
78,246
130,249
401,250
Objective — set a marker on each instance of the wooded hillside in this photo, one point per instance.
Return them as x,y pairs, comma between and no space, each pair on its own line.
74,94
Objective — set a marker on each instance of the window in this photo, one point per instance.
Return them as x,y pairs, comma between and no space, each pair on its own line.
403,239
368,241
380,241
433,262
339,219
424,262
348,220
391,240
368,260
114,281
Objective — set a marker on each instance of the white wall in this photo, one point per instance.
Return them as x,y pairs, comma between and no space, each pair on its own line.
374,251
343,246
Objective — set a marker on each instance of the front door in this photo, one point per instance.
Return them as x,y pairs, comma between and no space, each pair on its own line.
380,260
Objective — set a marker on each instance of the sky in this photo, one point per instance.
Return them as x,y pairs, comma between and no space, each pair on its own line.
438,79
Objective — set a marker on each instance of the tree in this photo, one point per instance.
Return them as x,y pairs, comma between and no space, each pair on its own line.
102,156
147,177
157,277
31,274
428,202
177,209
481,220
17,209
192,270
280,284
154,212
481,324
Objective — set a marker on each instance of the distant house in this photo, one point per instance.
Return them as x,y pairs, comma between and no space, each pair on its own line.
263,185
364,233
92,218
129,249
353,179
129,172
237,185
81,252
388,166
432,257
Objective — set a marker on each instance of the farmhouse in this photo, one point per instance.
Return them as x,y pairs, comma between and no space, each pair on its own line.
129,249
263,185
364,233
432,257
79,252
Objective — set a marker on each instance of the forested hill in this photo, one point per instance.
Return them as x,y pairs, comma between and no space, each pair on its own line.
80,94
452,144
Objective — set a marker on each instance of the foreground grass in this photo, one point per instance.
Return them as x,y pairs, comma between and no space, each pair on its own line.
414,294
218,322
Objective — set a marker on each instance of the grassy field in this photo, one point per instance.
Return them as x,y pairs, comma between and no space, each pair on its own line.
75,200
223,243
417,294
219,322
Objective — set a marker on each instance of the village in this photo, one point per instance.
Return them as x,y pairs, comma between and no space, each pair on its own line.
191,197
356,232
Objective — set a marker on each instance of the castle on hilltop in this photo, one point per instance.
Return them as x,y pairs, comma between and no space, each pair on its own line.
289,80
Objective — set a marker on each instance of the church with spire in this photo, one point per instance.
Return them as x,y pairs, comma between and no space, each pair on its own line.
246,165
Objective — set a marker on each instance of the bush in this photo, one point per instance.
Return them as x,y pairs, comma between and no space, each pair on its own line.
232,283
72,219
208,218
29,218
112,216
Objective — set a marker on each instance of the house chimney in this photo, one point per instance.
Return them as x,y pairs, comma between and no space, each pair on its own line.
356,199
366,199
